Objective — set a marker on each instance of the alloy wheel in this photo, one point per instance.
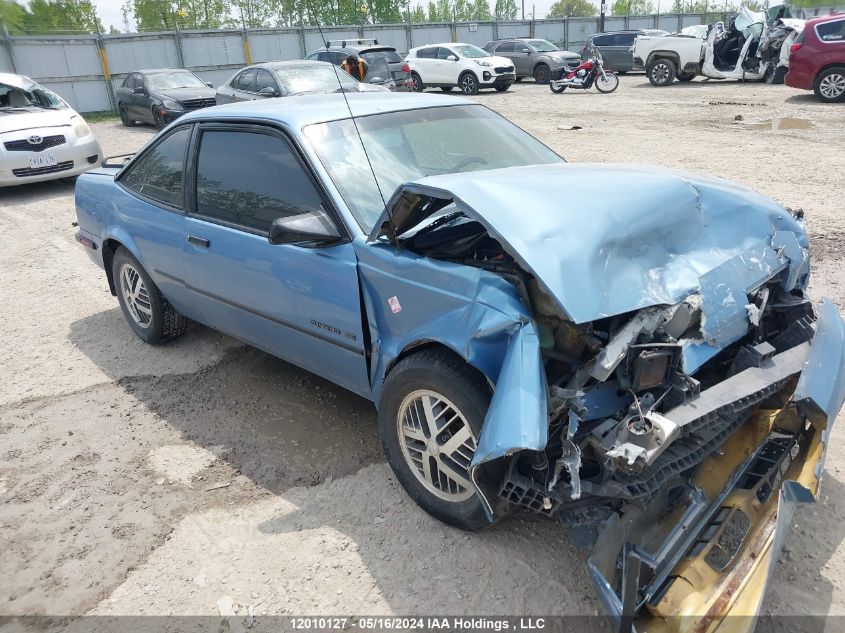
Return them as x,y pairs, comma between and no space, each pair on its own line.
437,444
135,296
468,84
660,73
832,86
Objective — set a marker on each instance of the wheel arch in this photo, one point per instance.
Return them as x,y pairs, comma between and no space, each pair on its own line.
420,345
541,62
109,247
663,54
828,67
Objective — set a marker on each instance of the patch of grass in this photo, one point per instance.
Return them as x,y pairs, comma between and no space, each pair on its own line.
99,117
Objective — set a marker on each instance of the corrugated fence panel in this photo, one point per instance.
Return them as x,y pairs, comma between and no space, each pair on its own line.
394,36
216,77
55,58
430,34
555,32
127,55
692,20
5,61
83,96
613,24
641,22
281,45
579,30
213,50
482,34
313,40
514,29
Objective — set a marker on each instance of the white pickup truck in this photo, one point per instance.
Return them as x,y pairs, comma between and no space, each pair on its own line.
753,46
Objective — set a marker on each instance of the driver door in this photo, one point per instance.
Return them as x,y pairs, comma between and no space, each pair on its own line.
299,303
521,58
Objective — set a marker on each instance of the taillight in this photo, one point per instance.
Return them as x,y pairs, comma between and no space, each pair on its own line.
794,48
406,69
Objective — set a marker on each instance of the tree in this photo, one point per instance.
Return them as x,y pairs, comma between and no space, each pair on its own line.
506,9
571,9
632,7
51,16
480,10
12,15
418,14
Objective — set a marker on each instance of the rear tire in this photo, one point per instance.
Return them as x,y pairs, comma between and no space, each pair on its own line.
468,83
541,74
557,90
829,85
420,394
419,86
661,72
124,117
148,313
502,88
683,77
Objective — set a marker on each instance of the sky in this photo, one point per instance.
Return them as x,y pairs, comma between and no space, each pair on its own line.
109,10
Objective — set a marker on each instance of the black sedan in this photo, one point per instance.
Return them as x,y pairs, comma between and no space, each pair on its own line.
283,79
161,95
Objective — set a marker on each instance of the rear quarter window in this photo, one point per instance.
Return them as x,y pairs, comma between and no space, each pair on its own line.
603,40
831,31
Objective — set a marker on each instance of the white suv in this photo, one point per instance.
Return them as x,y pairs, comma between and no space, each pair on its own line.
466,66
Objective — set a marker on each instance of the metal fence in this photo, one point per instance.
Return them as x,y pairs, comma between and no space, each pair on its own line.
86,69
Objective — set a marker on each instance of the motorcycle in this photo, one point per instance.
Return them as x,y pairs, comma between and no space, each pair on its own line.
590,72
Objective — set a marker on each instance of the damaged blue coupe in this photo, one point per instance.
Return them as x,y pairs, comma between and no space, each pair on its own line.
637,358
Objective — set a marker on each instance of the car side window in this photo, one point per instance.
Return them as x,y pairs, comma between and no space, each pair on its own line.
129,82
831,31
443,53
250,179
427,53
602,40
139,80
521,47
337,58
505,47
246,81
265,80
624,39
158,173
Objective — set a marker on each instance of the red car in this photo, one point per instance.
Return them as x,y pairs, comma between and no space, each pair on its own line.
817,58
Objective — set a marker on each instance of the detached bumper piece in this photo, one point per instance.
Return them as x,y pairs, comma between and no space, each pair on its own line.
688,556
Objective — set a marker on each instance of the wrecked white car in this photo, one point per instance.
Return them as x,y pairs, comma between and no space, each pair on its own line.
638,359
753,46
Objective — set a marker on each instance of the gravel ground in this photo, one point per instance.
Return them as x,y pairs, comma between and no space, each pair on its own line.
137,480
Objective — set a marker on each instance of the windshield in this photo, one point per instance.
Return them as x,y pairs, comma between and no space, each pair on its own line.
469,51
171,81
389,55
411,144
542,46
314,78
34,96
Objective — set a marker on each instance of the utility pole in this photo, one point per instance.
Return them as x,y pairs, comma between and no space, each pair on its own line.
523,10
601,15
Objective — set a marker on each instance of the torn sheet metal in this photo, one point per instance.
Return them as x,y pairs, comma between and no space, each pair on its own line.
821,389
518,415
609,248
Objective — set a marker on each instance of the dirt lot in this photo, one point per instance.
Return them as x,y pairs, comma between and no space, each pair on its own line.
159,480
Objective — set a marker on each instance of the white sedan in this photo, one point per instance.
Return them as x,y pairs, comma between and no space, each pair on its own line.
41,136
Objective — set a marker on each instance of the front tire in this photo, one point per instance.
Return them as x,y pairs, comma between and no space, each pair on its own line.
661,72
158,120
430,415
829,86
148,313
468,83
502,87
608,83
541,74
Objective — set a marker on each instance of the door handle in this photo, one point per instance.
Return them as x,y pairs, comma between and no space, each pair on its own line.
198,241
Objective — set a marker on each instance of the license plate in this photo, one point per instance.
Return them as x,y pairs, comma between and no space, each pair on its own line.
48,160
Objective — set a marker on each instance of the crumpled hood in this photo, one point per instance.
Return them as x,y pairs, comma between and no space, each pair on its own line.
607,239
11,121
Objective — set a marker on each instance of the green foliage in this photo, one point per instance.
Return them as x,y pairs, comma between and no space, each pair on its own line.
506,10
572,9
632,7
51,16
691,6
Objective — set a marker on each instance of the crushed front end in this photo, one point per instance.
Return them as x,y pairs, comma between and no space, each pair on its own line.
670,397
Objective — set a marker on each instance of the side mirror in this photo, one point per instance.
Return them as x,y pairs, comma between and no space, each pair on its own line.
210,84
139,90
268,91
306,229
452,58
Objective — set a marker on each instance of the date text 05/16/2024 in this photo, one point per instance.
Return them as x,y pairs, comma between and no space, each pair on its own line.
426,623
